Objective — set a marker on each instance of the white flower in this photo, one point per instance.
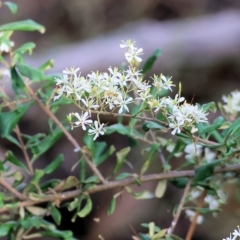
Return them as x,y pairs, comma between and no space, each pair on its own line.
71,71
122,103
212,202
98,129
82,119
89,104
167,83
236,233
209,155
176,127
6,48
190,214
193,150
126,44
230,238
133,53
62,80
59,91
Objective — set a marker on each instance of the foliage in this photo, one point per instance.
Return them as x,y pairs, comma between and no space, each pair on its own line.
169,128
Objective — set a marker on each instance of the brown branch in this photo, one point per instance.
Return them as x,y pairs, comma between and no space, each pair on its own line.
66,133
11,189
118,184
194,221
180,207
23,148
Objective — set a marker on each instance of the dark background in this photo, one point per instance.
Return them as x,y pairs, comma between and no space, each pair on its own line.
200,41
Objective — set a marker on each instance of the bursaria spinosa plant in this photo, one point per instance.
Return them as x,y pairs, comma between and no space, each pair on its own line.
155,115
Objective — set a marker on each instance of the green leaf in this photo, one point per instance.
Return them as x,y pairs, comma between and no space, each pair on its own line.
8,120
203,210
70,182
153,149
144,237
152,125
123,175
17,81
180,182
112,206
54,164
209,107
33,221
140,195
210,128
161,188
146,225
13,140
92,179
46,143
25,25
206,170
151,60
159,235
51,232
12,6
10,157
37,211
56,215
98,154
234,127
31,73
18,53
74,204
18,178
38,174
121,157
86,209
121,129
6,228
47,65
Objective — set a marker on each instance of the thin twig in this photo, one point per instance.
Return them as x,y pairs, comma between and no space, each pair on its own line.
23,148
194,221
67,134
12,190
180,207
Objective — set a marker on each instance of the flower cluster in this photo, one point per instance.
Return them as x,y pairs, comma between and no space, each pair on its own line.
234,234
115,90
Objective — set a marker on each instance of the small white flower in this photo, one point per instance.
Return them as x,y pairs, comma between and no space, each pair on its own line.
133,53
236,233
167,83
193,150
209,155
230,238
82,120
122,103
127,44
176,127
59,91
62,80
97,130
89,104
71,71
5,47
